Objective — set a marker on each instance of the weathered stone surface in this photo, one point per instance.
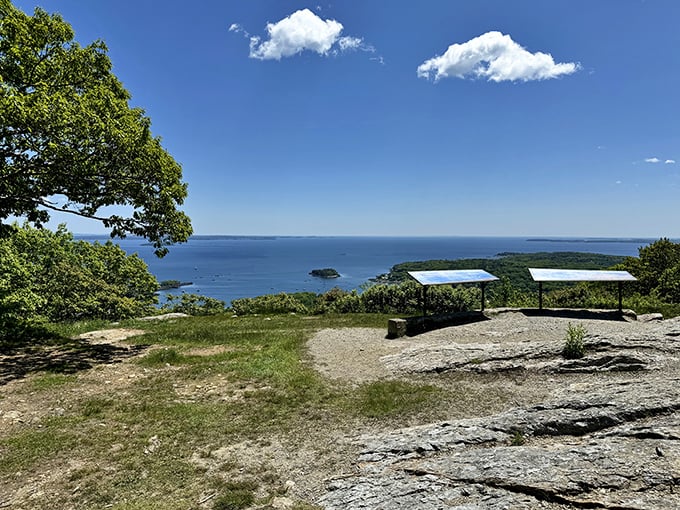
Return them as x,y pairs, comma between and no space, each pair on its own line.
611,442
604,354
396,328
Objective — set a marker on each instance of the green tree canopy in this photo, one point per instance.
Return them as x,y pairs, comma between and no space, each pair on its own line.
657,269
69,141
47,275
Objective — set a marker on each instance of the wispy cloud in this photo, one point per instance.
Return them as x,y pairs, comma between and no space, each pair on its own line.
655,160
235,27
497,58
302,31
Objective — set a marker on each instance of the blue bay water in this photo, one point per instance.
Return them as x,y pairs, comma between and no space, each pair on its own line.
227,267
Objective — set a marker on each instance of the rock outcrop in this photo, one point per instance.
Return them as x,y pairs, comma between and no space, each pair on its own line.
611,442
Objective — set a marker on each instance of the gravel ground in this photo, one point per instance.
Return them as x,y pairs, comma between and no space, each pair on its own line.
355,354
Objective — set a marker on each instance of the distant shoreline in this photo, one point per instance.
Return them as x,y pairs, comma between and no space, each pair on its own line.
228,237
592,240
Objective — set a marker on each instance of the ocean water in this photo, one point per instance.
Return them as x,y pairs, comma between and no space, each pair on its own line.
230,267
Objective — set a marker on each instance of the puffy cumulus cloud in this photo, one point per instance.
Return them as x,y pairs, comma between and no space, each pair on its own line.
302,30
652,160
670,161
496,57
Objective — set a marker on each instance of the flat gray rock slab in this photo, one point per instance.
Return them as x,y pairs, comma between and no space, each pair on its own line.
610,443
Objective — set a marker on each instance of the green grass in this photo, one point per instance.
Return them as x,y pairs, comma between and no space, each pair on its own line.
47,380
389,398
204,384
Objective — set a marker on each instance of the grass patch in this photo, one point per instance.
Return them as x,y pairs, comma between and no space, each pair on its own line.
27,448
162,357
236,496
389,398
47,381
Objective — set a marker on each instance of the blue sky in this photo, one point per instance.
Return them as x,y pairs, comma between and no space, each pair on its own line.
479,117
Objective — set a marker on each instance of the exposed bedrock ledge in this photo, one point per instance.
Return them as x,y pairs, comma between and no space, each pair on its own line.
611,354
612,442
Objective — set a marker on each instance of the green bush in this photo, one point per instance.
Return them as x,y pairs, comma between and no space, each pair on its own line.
47,275
574,345
349,302
406,298
270,303
659,257
192,304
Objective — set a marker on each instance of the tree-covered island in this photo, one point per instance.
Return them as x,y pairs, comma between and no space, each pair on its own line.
328,272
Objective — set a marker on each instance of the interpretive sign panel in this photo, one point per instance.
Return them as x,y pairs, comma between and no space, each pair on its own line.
452,276
580,275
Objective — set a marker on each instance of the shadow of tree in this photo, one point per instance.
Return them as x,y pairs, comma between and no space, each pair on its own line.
58,355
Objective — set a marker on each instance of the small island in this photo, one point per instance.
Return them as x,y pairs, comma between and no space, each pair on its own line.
325,273
172,284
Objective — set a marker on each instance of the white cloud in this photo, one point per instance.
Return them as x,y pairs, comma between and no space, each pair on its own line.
238,29
670,161
496,57
652,160
350,43
302,30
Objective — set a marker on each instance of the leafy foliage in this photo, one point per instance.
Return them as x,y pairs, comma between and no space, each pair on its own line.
405,298
70,142
574,345
271,303
192,304
48,275
655,269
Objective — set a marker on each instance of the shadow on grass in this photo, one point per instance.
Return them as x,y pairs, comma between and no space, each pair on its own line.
39,350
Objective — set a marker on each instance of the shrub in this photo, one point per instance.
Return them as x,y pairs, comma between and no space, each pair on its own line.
270,303
192,304
48,275
654,260
574,345
348,303
518,439
406,298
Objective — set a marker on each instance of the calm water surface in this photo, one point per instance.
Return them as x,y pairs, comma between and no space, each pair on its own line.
227,267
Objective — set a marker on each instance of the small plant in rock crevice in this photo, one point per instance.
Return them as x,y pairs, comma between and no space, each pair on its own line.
518,439
574,345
